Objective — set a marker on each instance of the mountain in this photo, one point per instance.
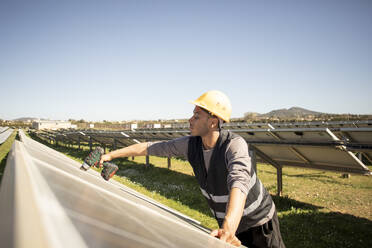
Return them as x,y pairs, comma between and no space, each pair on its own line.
294,112
291,112
24,119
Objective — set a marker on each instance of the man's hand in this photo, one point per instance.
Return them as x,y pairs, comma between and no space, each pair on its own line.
226,236
104,158
232,218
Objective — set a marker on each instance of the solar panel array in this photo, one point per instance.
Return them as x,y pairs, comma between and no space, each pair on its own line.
2,129
47,201
313,124
5,132
336,146
318,148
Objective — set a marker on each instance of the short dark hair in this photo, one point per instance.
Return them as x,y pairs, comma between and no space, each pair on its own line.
208,112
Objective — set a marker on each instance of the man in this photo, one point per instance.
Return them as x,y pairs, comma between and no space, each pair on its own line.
241,205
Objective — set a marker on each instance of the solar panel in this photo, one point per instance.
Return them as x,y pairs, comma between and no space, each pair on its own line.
356,135
316,157
316,148
5,135
308,135
251,135
324,124
2,129
301,135
80,209
300,125
358,140
243,125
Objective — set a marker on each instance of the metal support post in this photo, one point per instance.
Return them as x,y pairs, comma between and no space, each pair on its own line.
90,144
278,169
279,176
169,163
147,160
252,154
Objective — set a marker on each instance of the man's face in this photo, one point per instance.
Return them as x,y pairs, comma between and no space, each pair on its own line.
199,122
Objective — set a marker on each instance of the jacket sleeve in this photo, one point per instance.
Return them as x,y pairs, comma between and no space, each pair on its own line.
171,148
238,165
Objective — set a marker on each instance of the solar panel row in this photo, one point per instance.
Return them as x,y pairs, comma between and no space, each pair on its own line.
341,150
275,125
2,129
47,201
5,134
318,148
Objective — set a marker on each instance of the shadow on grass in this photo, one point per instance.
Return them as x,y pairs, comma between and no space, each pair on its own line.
325,230
302,224
2,166
284,203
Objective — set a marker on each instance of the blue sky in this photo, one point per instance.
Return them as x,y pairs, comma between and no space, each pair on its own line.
126,60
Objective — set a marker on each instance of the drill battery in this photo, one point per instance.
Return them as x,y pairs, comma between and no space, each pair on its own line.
109,170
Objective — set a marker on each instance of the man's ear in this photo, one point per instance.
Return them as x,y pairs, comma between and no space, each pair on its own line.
214,123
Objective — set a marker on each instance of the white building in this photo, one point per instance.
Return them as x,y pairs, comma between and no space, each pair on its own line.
133,126
51,125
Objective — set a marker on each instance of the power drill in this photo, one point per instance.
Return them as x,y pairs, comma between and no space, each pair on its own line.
109,169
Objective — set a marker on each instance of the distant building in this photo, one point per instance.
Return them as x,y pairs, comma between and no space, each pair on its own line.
133,126
51,125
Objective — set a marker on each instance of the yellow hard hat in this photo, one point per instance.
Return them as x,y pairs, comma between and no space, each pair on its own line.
216,102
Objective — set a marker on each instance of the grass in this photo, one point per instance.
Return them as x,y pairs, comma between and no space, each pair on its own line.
317,209
4,150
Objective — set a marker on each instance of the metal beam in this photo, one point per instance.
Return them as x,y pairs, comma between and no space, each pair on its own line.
298,154
279,173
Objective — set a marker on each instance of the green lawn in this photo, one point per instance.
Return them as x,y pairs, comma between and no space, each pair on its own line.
317,209
4,150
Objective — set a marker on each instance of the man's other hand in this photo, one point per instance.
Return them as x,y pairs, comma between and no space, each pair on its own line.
226,236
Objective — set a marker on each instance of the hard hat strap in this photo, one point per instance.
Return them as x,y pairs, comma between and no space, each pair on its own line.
220,122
